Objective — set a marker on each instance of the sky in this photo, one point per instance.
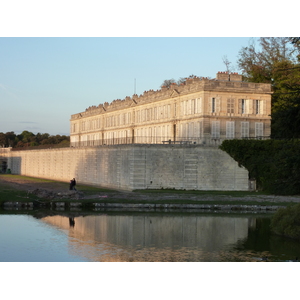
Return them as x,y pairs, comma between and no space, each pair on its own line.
57,58
44,80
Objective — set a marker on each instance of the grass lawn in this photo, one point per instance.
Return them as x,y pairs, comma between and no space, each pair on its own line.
163,196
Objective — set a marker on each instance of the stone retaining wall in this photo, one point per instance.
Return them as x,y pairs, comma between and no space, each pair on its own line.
130,167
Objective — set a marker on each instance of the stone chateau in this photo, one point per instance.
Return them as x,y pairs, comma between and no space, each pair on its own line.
163,139
199,111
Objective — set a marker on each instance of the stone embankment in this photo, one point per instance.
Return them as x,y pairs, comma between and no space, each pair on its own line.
189,206
71,200
139,206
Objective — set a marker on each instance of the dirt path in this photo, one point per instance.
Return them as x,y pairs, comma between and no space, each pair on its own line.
30,184
25,184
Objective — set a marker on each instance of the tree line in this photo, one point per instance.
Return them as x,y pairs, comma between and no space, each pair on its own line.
28,139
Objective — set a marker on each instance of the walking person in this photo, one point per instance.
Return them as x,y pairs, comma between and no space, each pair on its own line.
72,184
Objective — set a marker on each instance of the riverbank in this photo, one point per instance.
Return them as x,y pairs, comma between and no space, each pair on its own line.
25,191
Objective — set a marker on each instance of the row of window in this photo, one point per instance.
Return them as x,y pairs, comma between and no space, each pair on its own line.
187,107
142,115
191,107
153,113
110,121
245,106
195,129
230,129
157,134
118,120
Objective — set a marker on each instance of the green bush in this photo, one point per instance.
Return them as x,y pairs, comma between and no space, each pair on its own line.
286,222
275,164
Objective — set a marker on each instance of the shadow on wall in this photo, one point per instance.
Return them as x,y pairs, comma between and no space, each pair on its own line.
14,165
3,165
89,166
104,166
10,165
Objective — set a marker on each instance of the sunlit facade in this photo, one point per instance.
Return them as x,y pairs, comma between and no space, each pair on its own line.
199,111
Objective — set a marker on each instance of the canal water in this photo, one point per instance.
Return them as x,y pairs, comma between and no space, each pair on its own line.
142,237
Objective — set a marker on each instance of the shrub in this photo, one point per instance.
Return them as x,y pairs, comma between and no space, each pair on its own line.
275,164
286,222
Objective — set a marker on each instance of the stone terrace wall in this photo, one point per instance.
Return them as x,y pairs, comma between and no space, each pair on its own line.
134,166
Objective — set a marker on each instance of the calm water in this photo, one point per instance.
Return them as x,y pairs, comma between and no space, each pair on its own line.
111,237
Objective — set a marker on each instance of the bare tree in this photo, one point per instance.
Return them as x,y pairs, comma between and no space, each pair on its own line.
227,63
167,83
181,80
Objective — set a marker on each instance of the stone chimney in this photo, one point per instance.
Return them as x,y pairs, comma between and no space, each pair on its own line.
226,76
235,77
223,76
173,86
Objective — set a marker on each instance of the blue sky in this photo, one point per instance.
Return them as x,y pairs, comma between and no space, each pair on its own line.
45,80
48,73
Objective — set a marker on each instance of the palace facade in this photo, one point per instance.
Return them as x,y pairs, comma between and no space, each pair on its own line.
199,111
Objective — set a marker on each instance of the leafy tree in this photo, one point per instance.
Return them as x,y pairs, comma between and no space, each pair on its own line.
26,136
276,61
275,164
29,139
258,64
45,136
20,144
286,116
10,138
2,140
45,142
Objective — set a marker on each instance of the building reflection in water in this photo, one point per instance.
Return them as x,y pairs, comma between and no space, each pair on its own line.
157,237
